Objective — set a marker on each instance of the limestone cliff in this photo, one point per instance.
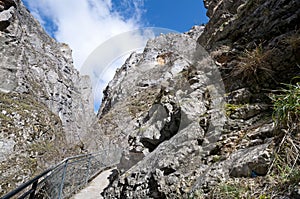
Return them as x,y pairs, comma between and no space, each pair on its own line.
183,133
192,112
266,30
45,105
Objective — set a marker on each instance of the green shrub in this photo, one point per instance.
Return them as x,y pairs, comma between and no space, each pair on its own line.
287,105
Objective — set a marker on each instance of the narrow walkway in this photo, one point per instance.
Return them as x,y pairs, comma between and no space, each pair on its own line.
95,187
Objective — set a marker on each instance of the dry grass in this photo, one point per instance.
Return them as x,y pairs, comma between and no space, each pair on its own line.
253,65
287,117
293,40
143,101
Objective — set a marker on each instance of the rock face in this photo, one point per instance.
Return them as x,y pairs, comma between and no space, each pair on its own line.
33,63
31,139
191,113
266,31
44,101
177,129
170,90
185,134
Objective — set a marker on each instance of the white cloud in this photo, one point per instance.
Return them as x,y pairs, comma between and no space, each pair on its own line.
85,24
100,33
110,55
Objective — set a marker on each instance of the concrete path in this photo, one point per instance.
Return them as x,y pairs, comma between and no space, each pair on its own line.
95,187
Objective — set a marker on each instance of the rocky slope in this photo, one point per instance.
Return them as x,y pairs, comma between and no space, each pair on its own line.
31,139
191,113
45,105
266,30
183,133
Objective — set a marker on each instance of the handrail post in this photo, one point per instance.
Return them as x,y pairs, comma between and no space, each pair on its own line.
88,169
63,180
33,188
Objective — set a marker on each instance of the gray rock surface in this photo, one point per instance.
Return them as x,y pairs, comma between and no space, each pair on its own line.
177,143
180,132
46,107
183,133
33,63
238,27
31,139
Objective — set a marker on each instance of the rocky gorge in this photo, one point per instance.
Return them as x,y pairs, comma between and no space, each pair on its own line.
194,113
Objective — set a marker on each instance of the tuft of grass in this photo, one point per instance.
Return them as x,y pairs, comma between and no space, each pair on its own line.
231,108
293,40
197,194
294,176
285,169
228,190
286,115
253,65
287,106
141,103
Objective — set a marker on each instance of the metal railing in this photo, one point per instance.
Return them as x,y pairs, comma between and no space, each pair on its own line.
67,177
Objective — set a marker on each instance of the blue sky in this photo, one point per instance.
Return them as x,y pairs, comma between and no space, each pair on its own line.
177,15
87,24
